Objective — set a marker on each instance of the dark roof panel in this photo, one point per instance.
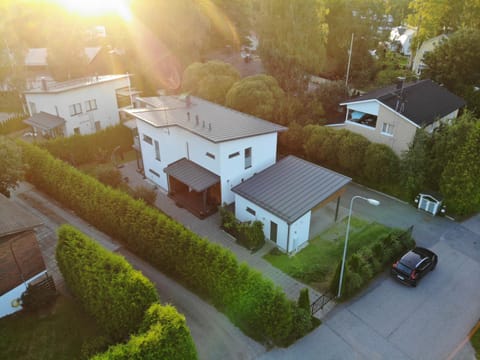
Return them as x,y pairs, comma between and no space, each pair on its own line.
191,174
291,187
14,219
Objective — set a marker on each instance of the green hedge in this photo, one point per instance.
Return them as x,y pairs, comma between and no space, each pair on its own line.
363,265
248,234
105,284
163,335
83,149
252,302
12,124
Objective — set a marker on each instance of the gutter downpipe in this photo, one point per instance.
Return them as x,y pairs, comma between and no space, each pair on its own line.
288,238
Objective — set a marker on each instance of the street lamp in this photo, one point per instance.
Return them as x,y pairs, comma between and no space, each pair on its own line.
371,202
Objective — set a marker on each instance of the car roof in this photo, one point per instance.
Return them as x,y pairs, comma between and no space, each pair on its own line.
411,259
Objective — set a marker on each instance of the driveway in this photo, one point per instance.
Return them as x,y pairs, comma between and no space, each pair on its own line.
391,321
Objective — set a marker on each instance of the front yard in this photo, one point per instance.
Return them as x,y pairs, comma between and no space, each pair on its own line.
57,332
316,264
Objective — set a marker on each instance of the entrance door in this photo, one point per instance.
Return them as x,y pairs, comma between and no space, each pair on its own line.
273,231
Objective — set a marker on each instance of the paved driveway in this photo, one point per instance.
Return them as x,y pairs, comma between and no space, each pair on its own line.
392,321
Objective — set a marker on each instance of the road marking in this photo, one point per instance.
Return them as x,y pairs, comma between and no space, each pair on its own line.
462,344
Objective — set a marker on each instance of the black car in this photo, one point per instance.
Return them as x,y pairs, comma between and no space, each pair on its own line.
414,265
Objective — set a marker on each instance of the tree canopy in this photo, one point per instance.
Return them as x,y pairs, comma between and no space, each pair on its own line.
210,81
11,165
258,95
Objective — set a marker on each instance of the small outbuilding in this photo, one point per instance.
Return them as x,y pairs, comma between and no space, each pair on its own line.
430,202
283,196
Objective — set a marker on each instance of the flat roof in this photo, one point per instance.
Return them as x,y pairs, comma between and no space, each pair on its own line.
56,87
204,118
291,187
14,219
192,174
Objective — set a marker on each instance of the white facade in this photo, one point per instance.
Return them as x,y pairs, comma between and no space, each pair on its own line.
290,238
9,301
86,106
175,143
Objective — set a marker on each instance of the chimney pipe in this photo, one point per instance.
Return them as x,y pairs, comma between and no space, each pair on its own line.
210,126
188,115
44,84
197,121
188,101
400,82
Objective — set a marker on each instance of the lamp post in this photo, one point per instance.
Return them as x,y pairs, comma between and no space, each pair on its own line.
371,202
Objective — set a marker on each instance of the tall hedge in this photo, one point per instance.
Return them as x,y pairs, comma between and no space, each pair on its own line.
163,335
106,285
252,302
12,124
79,150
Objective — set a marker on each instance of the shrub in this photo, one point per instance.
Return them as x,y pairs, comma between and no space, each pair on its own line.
12,124
304,299
144,193
247,234
109,175
105,284
249,300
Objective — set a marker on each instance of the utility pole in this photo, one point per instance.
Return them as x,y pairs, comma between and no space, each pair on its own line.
349,62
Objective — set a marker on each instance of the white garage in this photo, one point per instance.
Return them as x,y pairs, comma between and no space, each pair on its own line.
282,198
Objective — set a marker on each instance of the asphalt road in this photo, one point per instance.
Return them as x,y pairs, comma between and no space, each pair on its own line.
392,321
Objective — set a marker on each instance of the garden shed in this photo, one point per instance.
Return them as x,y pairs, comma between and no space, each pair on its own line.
430,202
283,197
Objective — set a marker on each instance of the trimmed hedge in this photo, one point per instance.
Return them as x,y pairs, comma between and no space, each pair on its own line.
363,265
82,149
106,285
252,302
163,335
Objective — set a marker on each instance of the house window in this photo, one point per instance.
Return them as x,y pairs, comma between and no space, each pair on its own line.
98,126
387,129
251,211
147,139
154,172
75,109
90,105
248,158
235,154
210,155
157,150
76,131
33,108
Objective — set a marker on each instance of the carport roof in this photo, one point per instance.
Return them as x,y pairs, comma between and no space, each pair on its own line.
44,121
291,187
191,174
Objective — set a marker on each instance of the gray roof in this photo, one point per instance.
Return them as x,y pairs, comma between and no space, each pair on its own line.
13,219
203,118
56,87
191,174
291,187
44,121
424,101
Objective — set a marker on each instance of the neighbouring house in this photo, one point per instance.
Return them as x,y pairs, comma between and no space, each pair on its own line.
79,106
426,47
400,39
21,261
392,115
198,151
284,196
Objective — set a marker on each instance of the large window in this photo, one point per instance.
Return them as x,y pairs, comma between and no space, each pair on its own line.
248,158
157,150
147,139
75,109
90,105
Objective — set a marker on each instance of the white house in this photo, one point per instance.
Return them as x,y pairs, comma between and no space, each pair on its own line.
401,38
426,47
199,151
392,115
80,106
283,197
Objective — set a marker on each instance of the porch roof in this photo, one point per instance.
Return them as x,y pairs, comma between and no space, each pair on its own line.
192,174
44,121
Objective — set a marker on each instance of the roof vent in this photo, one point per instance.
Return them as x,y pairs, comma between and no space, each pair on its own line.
43,81
210,126
203,123
188,115
197,120
188,101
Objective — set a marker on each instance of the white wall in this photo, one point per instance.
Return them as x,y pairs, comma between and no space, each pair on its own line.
299,230
57,103
173,146
6,299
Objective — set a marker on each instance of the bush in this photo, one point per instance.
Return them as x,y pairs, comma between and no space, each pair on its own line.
304,299
249,300
12,124
144,193
109,175
247,234
105,284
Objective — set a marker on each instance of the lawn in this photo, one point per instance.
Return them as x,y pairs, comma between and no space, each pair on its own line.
315,265
57,332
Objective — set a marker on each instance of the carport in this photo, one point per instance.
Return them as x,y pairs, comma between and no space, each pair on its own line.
283,197
49,125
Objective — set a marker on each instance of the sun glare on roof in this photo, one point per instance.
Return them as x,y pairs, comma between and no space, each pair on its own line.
98,7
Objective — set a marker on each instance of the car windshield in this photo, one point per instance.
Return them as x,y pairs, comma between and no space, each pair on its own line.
404,268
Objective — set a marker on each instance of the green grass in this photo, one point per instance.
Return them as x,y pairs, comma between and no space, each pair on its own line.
53,333
315,265
475,341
